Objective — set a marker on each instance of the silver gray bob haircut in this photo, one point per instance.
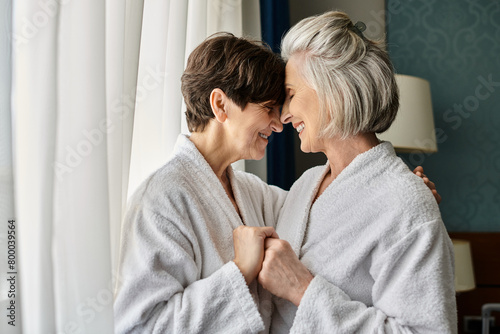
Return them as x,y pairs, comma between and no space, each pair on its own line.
352,75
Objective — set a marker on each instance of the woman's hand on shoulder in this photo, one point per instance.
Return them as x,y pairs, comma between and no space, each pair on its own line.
248,244
419,171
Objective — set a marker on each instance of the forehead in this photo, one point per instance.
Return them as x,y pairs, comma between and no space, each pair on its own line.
291,70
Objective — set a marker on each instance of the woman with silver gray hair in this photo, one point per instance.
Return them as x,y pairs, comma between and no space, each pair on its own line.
366,249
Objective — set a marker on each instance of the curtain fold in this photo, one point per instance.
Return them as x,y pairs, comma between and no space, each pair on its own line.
123,35
11,321
82,275
158,109
34,136
280,151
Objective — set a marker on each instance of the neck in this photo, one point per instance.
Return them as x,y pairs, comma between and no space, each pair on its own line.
341,152
214,145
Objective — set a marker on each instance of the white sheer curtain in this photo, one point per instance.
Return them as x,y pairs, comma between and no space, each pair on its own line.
96,107
65,208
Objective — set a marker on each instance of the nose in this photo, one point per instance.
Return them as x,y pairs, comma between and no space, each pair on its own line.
276,125
285,114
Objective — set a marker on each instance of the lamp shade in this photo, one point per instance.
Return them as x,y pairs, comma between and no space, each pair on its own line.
464,271
413,128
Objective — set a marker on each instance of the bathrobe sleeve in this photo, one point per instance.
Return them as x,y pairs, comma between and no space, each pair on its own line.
411,292
159,289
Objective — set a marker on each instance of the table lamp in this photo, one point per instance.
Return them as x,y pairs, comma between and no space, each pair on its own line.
464,271
413,128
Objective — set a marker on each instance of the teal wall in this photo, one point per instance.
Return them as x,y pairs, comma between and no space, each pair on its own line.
455,44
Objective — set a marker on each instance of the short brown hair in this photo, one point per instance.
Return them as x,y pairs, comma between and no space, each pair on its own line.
247,71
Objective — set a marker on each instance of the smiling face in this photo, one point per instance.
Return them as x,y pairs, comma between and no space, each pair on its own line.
301,108
251,127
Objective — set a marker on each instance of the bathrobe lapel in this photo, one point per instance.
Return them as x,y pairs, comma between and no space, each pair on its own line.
294,231
199,168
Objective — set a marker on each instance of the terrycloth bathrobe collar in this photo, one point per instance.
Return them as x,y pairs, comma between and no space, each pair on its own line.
194,162
295,233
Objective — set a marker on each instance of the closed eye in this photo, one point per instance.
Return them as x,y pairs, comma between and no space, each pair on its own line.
269,108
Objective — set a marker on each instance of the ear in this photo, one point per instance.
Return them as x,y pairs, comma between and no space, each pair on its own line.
219,102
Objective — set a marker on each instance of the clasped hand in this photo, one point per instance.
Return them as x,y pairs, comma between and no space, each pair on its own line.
259,253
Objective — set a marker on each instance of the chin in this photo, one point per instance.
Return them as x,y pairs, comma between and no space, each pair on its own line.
310,146
259,156
259,151
256,155
305,148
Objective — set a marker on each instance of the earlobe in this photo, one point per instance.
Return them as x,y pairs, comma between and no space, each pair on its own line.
219,103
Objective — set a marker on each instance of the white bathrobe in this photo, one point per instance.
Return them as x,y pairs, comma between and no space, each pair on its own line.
176,273
376,244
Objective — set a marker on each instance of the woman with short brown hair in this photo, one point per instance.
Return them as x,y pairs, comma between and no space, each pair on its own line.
178,272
